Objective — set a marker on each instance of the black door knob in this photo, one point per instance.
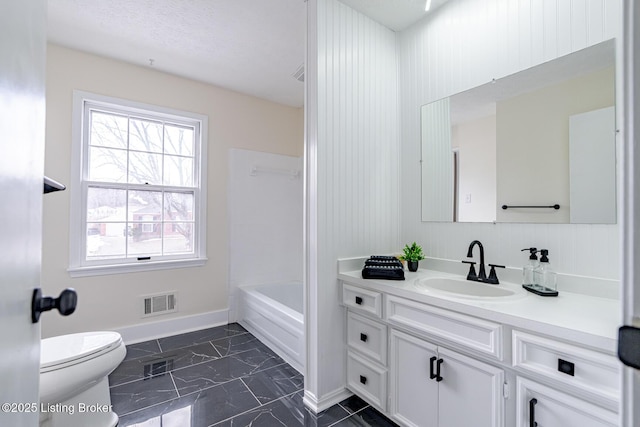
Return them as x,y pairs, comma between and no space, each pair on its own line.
65,303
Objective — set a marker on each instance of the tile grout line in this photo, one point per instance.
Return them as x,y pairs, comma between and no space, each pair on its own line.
252,393
173,381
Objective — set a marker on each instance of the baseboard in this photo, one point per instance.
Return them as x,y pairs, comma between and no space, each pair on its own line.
325,402
175,325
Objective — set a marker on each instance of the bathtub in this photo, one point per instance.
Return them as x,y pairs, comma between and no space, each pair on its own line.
273,313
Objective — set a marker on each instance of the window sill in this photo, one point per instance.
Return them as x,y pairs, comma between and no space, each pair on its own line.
101,270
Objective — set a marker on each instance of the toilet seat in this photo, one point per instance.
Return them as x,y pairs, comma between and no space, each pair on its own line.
66,350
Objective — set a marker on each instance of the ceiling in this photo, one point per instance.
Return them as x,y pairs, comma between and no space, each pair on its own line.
394,14
249,46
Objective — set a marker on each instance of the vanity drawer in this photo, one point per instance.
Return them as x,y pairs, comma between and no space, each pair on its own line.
362,300
367,337
471,332
367,379
584,370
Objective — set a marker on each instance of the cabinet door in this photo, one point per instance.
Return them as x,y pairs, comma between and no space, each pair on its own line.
548,407
470,392
414,395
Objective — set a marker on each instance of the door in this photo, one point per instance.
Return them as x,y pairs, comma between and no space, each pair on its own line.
470,392
630,202
413,391
22,118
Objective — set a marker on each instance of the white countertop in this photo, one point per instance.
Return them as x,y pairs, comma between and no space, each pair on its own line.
588,320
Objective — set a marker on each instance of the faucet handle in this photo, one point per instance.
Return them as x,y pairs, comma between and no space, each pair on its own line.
493,277
472,275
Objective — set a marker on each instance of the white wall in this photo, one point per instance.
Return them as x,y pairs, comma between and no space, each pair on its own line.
351,166
466,43
265,220
235,120
533,145
476,142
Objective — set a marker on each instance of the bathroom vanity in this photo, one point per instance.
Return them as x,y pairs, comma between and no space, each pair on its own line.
437,350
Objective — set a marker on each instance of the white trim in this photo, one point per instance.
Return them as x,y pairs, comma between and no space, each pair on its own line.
99,270
78,265
630,202
174,326
327,401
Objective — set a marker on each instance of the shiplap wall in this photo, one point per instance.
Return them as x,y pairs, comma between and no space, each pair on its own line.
466,43
352,176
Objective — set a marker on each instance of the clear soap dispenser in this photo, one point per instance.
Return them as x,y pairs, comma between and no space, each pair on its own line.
544,278
527,270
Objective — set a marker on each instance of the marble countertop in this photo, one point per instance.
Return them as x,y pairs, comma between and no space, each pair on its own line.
587,320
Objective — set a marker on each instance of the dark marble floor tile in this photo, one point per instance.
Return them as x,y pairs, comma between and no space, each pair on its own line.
353,404
144,367
238,343
270,415
309,419
368,417
142,393
198,409
274,383
141,349
199,337
208,374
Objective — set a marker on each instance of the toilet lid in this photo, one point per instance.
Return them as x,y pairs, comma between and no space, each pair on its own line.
66,349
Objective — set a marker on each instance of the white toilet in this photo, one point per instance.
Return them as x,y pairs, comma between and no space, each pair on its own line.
74,388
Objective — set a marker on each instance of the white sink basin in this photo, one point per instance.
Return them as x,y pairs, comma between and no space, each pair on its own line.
465,288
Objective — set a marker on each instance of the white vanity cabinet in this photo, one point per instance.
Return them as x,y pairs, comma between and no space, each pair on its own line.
542,406
588,376
434,386
427,362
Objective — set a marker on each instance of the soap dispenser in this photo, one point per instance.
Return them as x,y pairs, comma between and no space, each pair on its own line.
527,270
544,278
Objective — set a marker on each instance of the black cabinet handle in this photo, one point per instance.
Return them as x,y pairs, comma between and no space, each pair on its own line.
359,300
363,337
432,373
438,376
532,412
363,379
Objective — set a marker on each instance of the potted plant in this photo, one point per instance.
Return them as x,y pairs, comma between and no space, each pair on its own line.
412,254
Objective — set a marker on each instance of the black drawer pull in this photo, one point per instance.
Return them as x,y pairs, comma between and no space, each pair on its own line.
363,379
532,412
566,367
359,300
363,337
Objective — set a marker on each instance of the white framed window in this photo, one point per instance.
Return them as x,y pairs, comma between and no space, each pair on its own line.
138,187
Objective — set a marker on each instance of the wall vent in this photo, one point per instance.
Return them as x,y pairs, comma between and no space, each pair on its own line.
299,74
153,305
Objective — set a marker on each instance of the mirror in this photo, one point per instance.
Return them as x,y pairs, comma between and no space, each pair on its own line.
537,146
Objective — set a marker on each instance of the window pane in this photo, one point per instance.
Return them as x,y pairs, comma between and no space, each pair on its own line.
178,206
145,206
108,130
178,171
106,204
146,239
107,165
145,135
178,238
178,140
145,168
105,240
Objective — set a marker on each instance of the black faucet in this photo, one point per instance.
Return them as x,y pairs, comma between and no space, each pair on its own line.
481,276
